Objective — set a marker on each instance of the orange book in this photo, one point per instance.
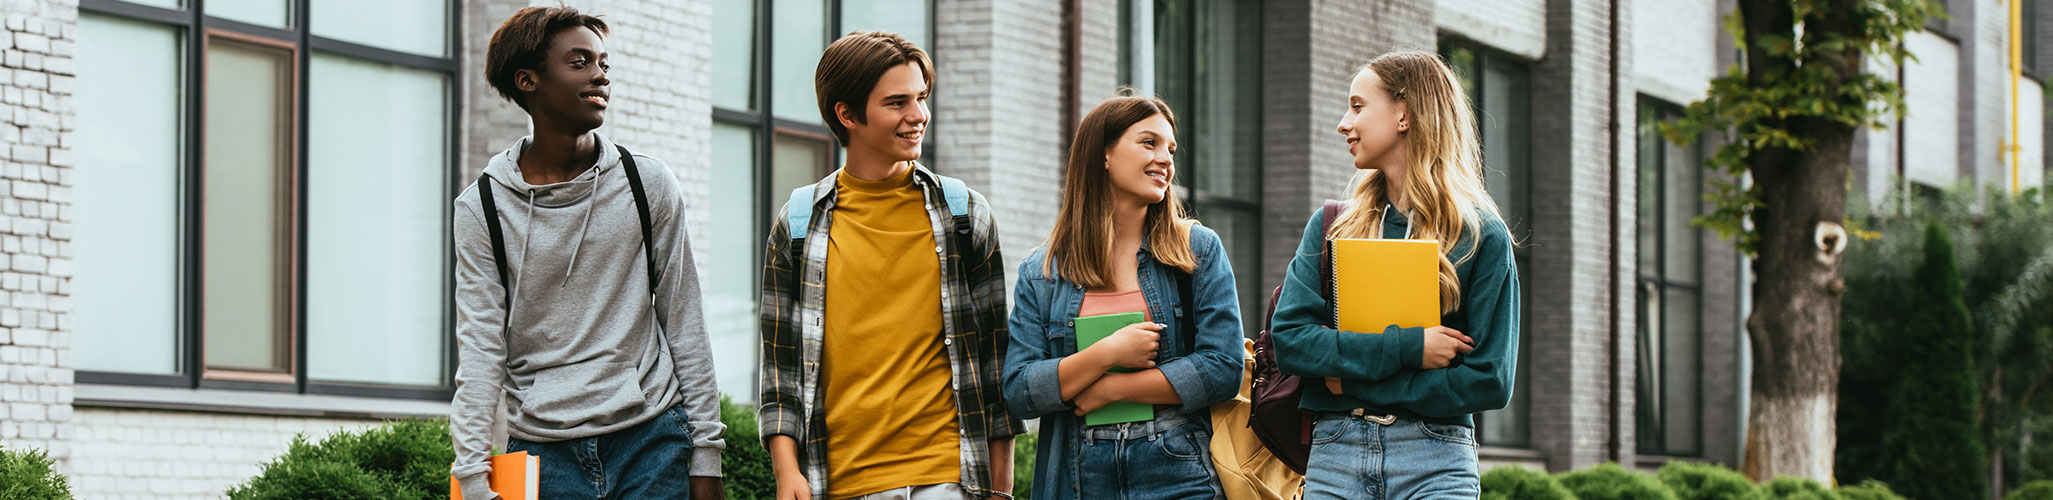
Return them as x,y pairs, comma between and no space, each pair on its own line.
514,476
1378,283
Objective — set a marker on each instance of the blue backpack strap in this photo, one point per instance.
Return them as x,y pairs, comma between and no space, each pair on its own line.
798,211
957,195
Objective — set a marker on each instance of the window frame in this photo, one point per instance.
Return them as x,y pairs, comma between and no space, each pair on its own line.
1662,282
195,29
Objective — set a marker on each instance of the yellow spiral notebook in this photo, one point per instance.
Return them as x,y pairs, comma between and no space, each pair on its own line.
1378,283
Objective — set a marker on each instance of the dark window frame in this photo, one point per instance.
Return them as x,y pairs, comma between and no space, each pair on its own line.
195,29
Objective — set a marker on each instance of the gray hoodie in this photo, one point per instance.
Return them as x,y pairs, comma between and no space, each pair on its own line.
587,353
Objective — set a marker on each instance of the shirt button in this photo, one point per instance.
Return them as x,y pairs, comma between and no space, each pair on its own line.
937,248
946,341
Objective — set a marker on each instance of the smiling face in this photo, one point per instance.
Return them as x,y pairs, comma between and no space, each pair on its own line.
570,87
1374,124
895,116
1142,164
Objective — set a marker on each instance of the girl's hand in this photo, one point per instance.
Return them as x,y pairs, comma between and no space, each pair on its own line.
1131,347
1442,344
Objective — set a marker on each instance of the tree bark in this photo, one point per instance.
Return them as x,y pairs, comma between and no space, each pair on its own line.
1794,326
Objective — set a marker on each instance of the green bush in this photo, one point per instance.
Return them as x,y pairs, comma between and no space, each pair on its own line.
401,460
1692,481
746,464
1938,451
1023,448
1870,490
1796,488
29,475
1611,482
1519,483
2035,490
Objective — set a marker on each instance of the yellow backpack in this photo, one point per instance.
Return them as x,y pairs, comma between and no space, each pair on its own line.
1247,471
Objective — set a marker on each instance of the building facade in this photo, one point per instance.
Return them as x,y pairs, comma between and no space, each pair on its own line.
225,223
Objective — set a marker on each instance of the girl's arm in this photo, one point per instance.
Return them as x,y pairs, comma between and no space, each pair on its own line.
1305,346
1482,379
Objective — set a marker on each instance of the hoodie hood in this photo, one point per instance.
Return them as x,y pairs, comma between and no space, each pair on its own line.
505,171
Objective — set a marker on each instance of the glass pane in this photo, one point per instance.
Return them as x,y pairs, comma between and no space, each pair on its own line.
125,226
273,13
1647,391
796,162
1510,426
1241,232
1648,217
908,19
1507,141
734,54
375,247
1222,129
795,45
730,276
1683,199
415,26
246,218
168,4
1681,373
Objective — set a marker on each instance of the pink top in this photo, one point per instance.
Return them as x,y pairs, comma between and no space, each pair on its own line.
1114,303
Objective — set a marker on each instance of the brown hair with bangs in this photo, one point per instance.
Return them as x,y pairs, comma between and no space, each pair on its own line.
850,68
1080,247
523,40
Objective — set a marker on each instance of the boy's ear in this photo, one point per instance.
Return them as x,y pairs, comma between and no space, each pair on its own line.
526,80
845,115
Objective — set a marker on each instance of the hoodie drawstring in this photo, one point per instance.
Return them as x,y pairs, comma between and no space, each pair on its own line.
578,243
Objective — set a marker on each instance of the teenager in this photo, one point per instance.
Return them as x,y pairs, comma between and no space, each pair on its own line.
1123,244
883,315
588,330
1397,416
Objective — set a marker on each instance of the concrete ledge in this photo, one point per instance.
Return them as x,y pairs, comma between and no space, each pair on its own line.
253,403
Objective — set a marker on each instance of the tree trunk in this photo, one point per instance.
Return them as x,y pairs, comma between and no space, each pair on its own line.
1794,326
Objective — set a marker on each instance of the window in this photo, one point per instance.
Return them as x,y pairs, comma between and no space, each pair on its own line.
1205,59
2028,31
1499,89
263,198
1669,380
768,138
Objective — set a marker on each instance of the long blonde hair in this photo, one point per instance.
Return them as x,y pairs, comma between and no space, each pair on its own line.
1080,247
1443,170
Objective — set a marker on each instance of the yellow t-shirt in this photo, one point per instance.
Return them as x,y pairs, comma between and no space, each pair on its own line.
890,411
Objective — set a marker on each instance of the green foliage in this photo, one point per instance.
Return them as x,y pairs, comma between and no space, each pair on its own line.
29,475
745,464
1932,435
1023,450
401,460
1796,488
1811,75
1612,482
1869,490
2035,490
1519,483
1692,481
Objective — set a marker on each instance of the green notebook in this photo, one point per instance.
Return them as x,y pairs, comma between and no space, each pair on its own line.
1090,330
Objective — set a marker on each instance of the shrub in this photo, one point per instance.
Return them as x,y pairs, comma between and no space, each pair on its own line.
746,464
1023,448
29,475
2035,490
1796,488
1692,481
1611,482
402,460
1870,490
1519,483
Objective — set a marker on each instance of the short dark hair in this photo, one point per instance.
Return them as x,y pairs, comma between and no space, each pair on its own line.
521,41
850,68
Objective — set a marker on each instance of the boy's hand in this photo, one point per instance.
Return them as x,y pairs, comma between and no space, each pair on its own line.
707,488
793,486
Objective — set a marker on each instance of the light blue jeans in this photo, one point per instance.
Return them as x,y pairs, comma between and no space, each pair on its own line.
1356,457
1169,457
646,461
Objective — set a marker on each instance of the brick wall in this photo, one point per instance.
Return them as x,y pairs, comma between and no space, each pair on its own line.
35,226
1518,27
1674,54
121,454
998,64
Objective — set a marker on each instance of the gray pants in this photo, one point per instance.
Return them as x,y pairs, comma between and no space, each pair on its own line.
944,491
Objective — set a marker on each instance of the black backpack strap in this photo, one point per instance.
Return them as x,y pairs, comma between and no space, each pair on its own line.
1188,323
1331,211
641,207
498,240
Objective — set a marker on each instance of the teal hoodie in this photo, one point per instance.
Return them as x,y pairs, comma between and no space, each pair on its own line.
1380,372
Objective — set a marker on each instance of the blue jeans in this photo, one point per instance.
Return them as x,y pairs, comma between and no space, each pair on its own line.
1169,457
649,460
1359,458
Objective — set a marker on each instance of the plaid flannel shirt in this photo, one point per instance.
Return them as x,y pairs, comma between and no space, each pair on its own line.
973,316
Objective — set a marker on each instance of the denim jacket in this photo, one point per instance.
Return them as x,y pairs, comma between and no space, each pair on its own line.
1043,332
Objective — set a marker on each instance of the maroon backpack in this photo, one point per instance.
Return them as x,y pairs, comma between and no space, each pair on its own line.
1276,419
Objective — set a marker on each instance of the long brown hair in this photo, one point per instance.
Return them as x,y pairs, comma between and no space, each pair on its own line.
1080,247
1443,171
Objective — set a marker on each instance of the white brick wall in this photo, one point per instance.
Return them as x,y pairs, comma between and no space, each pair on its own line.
2031,123
1987,129
1515,26
1931,125
998,64
1674,46
120,454
35,226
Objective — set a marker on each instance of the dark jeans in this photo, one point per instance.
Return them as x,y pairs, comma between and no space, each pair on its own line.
651,460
